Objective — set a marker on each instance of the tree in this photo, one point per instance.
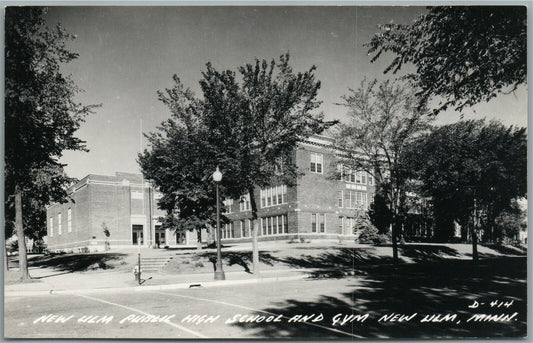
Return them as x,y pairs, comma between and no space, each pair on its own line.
462,54
249,127
472,170
509,223
379,211
41,118
180,162
383,120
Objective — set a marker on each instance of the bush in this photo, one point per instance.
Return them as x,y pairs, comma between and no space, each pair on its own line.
368,235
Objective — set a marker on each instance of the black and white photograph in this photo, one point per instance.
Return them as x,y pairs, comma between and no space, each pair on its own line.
265,171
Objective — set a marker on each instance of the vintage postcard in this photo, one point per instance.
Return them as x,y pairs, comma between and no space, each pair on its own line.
238,171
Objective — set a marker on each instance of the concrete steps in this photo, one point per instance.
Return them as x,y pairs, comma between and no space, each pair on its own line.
154,264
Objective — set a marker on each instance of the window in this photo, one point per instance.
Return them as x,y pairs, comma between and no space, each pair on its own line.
228,230
242,226
244,203
227,205
273,196
355,199
339,199
69,220
318,222
51,227
359,177
59,223
274,225
348,224
316,163
322,223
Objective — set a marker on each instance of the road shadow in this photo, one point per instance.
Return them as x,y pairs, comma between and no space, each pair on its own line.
434,287
77,262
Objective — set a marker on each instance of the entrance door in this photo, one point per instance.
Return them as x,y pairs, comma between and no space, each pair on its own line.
137,234
160,238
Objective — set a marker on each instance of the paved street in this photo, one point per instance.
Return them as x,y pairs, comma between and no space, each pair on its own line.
222,302
417,301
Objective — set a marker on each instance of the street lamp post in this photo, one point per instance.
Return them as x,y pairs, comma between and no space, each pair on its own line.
219,272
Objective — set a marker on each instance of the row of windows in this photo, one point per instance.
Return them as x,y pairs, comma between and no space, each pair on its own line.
274,225
60,223
273,196
352,199
277,225
359,177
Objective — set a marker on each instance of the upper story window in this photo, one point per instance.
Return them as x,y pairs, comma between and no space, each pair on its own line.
273,196
69,220
317,160
51,227
244,203
358,177
59,223
227,205
354,200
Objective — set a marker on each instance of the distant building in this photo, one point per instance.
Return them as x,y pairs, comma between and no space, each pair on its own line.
123,203
323,204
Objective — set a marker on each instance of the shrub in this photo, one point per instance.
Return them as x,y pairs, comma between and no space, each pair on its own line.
369,235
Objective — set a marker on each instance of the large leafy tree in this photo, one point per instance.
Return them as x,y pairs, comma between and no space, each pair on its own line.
41,117
462,55
180,162
384,119
249,123
472,170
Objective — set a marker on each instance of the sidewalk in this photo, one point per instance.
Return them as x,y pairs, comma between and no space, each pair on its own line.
50,281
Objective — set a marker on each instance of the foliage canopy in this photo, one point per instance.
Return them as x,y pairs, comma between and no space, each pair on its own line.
462,54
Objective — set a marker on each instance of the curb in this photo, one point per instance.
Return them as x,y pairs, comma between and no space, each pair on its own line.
207,284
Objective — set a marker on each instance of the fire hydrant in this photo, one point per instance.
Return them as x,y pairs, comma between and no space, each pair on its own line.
137,274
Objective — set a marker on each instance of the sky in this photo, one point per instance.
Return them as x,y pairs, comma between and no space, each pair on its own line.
127,54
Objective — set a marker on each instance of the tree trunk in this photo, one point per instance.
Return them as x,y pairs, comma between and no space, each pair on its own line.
198,239
255,233
475,256
394,242
19,228
255,248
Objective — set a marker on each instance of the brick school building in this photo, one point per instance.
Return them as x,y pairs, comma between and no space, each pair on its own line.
319,206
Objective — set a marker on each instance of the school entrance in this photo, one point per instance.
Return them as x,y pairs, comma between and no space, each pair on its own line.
137,234
160,236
